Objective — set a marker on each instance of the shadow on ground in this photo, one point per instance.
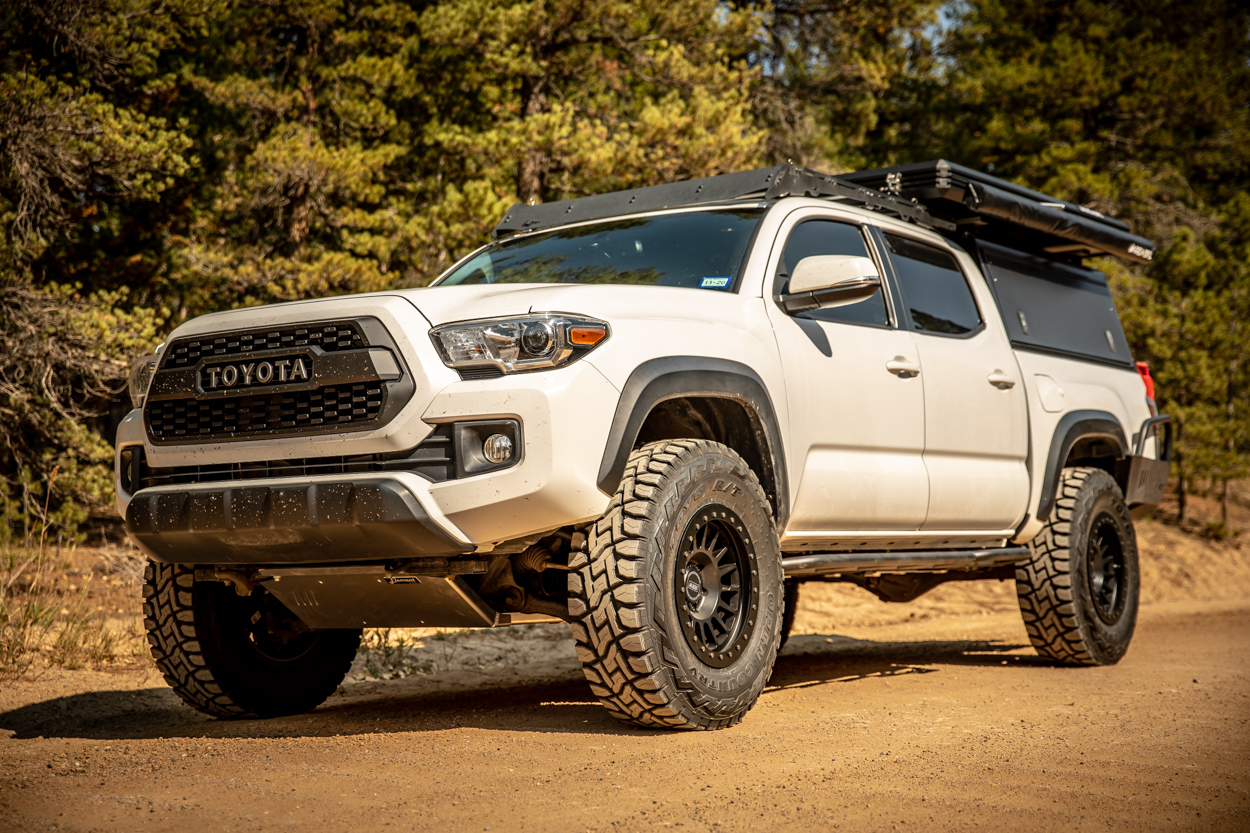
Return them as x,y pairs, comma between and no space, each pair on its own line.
554,705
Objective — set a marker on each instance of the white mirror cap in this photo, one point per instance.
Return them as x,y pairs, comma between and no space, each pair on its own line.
824,271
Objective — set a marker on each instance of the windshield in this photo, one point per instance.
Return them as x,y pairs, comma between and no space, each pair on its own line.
696,249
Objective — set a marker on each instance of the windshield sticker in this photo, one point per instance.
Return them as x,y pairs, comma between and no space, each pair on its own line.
714,283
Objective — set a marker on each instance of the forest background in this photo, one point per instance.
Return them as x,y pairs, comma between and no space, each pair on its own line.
160,159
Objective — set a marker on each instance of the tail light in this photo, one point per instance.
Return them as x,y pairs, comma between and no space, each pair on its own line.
1144,370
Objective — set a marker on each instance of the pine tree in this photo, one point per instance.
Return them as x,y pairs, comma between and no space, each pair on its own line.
550,100
84,159
831,74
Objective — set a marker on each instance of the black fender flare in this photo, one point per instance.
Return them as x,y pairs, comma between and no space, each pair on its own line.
674,377
1073,427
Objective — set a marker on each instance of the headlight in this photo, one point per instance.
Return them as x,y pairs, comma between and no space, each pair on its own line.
515,345
141,371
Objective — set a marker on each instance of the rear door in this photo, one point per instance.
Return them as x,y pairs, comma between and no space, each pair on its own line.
857,411
976,422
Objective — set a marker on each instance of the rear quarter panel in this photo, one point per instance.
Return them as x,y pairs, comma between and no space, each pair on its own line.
1056,386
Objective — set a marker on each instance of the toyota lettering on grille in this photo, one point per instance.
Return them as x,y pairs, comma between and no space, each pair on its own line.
247,374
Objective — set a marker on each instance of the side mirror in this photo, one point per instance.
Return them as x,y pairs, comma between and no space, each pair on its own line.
830,281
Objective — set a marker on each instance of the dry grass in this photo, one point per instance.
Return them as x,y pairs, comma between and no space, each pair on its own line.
395,653
69,609
390,654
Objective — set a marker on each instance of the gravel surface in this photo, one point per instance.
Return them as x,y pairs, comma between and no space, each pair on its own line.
929,716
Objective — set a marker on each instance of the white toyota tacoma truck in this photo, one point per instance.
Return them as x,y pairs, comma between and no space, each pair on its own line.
652,414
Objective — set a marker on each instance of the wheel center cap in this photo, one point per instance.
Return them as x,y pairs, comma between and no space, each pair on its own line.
694,585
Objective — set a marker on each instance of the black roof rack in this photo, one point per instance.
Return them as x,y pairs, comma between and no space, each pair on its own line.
999,211
937,195
764,184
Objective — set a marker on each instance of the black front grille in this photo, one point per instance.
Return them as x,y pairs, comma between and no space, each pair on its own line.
434,459
339,335
346,391
175,419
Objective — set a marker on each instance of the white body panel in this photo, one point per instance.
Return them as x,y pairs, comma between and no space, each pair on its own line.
976,432
1080,386
856,429
873,460
565,415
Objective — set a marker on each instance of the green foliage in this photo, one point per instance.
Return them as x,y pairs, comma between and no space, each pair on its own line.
170,159
160,160
834,74
1189,315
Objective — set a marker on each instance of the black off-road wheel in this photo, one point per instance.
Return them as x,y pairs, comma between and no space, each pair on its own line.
1079,593
677,599
791,599
238,656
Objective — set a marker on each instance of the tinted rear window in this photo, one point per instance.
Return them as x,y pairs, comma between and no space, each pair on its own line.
934,288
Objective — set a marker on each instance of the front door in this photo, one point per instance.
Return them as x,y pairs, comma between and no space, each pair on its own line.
855,400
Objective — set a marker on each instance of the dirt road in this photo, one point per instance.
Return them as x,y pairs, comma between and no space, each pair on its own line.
949,723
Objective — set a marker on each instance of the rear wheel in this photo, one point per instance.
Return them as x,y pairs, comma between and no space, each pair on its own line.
1079,593
677,600
238,656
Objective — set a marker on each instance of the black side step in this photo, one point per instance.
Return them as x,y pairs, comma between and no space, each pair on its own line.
826,563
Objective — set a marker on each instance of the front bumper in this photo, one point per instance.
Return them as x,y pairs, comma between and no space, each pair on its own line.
277,522
564,416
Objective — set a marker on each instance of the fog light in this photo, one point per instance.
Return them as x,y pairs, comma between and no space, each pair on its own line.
497,448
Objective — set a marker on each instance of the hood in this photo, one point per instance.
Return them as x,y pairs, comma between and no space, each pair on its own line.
446,304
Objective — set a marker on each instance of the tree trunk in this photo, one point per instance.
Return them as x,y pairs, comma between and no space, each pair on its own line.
1230,412
299,217
1179,457
532,172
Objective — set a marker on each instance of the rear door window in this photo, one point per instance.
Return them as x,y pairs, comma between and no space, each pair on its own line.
829,237
934,288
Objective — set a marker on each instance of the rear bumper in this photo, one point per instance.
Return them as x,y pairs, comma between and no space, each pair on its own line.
282,522
1145,478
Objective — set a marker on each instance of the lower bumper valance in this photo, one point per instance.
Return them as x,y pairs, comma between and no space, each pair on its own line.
337,521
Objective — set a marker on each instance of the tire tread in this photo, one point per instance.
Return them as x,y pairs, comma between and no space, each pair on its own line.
1045,586
634,677
175,644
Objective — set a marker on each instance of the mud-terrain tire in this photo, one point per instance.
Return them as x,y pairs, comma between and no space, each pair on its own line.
1079,593
238,656
673,629
791,600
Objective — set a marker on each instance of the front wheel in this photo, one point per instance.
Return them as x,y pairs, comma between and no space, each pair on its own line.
791,608
238,656
677,600
1079,593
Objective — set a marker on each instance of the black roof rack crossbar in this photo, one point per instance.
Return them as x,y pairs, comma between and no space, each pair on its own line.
763,184
794,181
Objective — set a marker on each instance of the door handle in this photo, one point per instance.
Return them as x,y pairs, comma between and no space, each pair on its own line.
903,367
1001,380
